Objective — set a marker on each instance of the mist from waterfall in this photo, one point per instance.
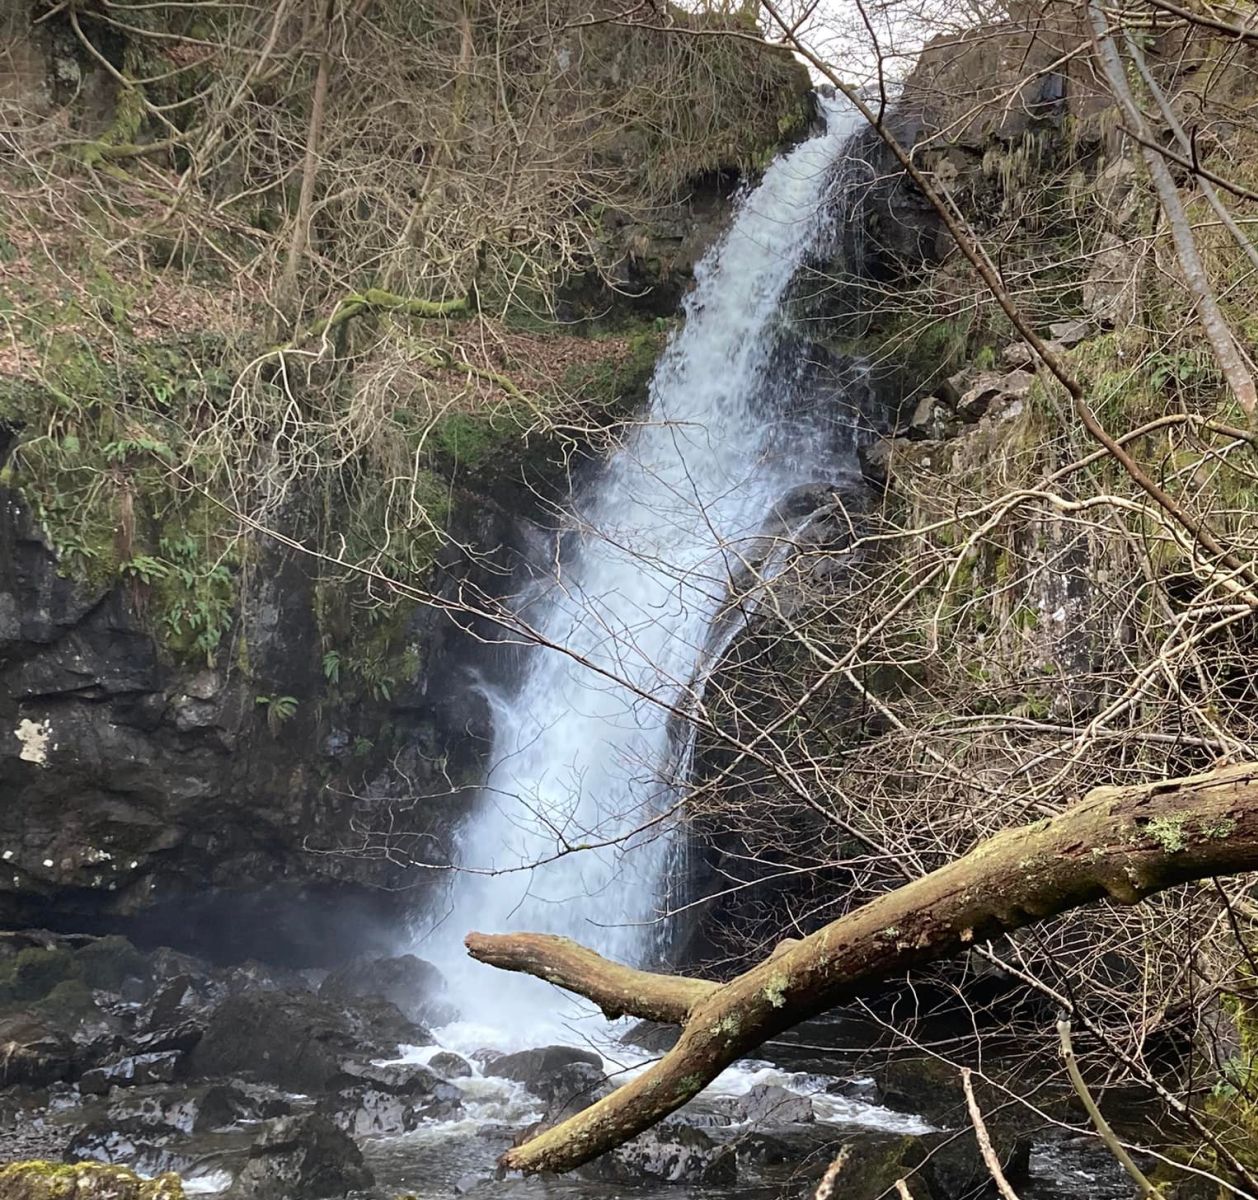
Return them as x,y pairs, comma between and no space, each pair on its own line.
572,834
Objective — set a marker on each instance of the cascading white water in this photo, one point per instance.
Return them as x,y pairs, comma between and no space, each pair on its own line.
563,840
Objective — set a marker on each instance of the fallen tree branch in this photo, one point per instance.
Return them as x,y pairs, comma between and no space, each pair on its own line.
378,300
617,990
1120,843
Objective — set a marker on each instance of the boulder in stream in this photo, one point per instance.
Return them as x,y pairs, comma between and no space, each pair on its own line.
372,1100
296,1040
449,1065
306,1157
768,1105
535,1068
669,1153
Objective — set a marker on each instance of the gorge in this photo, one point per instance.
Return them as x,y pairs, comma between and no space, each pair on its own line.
545,471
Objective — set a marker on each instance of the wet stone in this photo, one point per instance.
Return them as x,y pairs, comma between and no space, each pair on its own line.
535,1068
132,1071
307,1157
449,1065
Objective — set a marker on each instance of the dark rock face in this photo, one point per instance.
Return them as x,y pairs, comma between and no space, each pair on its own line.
150,796
414,985
301,1156
144,1146
296,1040
225,1104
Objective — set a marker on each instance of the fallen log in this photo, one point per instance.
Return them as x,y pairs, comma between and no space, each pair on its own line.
1119,843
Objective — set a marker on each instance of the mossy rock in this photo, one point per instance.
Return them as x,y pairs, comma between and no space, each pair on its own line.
32,973
39,1180
106,962
68,1004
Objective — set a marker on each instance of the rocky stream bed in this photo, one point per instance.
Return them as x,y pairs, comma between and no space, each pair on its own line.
261,1083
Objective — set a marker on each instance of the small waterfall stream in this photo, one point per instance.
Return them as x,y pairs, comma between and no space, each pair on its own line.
571,834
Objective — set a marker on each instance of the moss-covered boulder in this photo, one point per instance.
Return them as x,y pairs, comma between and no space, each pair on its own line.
83,1181
32,973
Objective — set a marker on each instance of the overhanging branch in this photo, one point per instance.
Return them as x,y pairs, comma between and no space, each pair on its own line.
1122,844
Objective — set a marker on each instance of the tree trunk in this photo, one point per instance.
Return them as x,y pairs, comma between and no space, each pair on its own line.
1123,844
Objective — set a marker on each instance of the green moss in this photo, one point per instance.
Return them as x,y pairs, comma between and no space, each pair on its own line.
32,973
69,1003
616,386
38,1180
107,961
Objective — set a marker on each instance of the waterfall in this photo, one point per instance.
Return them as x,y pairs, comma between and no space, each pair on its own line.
572,834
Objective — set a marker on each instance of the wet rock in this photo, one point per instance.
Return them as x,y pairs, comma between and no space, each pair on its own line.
83,1181
768,1104
253,976
951,1163
379,1023
296,1040
133,1071
374,1100
570,1089
671,1154
145,1147
953,1166
180,1000
159,1109
226,1104
33,1052
537,1069
655,1036
306,1156
183,1036
449,1065
368,1112
415,986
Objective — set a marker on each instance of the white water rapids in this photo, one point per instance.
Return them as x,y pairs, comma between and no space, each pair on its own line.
572,835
